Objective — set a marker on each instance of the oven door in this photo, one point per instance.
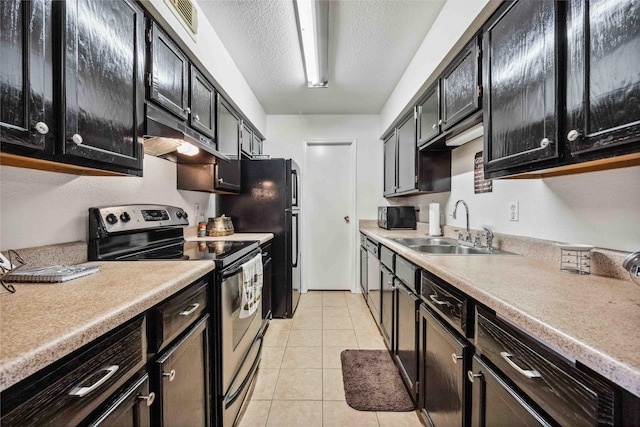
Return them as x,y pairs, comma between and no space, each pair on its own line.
238,332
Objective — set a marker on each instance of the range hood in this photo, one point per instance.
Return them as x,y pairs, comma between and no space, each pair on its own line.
168,137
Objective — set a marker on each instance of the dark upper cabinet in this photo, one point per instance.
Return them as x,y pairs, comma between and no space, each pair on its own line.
202,102
26,76
256,144
603,82
227,174
103,81
429,115
390,165
520,60
461,89
169,74
406,133
247,139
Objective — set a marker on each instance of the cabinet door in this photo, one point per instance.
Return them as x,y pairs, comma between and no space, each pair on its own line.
182,379
227,176
445,396
386,307
373,282
460,86
203,103
169,74
363,272
26,79
104,90
247,139
603,82
520,61
407,177
429,115
267,274
406,345
390,165
131,408
256,145
495,403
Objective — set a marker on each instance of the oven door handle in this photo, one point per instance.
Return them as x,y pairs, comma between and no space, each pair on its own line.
232,272
230,399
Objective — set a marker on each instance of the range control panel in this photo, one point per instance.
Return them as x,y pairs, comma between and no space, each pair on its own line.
124,218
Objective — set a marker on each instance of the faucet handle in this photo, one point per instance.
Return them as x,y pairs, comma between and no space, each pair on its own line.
476,241
459,233
489,236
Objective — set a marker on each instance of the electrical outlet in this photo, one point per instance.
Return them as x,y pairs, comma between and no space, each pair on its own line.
514,212
196,209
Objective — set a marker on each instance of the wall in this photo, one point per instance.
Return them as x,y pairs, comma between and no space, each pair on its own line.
41,208
213,57
594,208
456,23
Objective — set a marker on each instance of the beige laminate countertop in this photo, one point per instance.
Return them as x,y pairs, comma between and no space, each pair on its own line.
261,237
41,323
592,319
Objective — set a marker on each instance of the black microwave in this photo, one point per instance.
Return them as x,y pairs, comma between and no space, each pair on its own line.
397,217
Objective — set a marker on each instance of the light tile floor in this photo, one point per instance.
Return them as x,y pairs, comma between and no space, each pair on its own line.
299,382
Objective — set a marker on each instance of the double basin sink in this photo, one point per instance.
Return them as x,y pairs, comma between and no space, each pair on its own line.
445,246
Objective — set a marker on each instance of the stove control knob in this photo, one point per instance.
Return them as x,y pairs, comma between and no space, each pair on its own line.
179,214
111,219
124,216
184,215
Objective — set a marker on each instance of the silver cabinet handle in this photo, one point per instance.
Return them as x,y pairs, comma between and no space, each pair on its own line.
347,219
42,128
439,122
187,110
220,180
82,391
472,377
573,135
529,373
171,375
435,299
77,139
193,307
545,142
150,398
435,125
455,357
198,117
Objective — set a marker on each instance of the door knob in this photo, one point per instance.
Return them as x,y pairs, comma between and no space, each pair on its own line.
42,128
455,357
573,135
77,139
149,399
171,375
347,219
471,376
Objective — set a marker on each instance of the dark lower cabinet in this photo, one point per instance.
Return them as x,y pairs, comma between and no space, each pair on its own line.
603,83
387,311
181,379
406,342
444,361
129,409
363,272
26,76
103,88
495,403
520,62
267,280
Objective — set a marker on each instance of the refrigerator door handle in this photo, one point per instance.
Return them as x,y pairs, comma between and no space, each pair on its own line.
294,187
295,263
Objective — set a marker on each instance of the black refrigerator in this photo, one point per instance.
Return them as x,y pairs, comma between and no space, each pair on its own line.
269,202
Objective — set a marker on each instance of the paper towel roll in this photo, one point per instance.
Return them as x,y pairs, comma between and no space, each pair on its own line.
434,219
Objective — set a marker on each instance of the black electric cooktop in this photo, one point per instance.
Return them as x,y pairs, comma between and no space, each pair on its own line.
223,253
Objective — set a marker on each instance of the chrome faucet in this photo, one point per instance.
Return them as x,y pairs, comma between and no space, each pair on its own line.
467,237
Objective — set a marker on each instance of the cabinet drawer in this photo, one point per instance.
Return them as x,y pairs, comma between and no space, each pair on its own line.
372,246
174,315
569,395
387,258
69,391
452,305
407,272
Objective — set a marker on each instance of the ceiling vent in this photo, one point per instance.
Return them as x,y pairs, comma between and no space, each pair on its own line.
186,11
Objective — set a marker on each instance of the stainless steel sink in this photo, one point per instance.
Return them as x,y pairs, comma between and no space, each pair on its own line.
445,246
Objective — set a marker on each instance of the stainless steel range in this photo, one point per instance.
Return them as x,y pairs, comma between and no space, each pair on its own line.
155,232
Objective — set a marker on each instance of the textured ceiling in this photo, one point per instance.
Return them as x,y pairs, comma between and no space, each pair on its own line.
371,43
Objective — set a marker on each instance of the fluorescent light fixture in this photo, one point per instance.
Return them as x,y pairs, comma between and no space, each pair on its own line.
313,25
468,135
188,149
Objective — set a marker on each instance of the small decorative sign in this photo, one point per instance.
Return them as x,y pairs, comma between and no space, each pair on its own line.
480,185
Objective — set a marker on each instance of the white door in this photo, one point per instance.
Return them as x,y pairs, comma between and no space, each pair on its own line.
330,220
